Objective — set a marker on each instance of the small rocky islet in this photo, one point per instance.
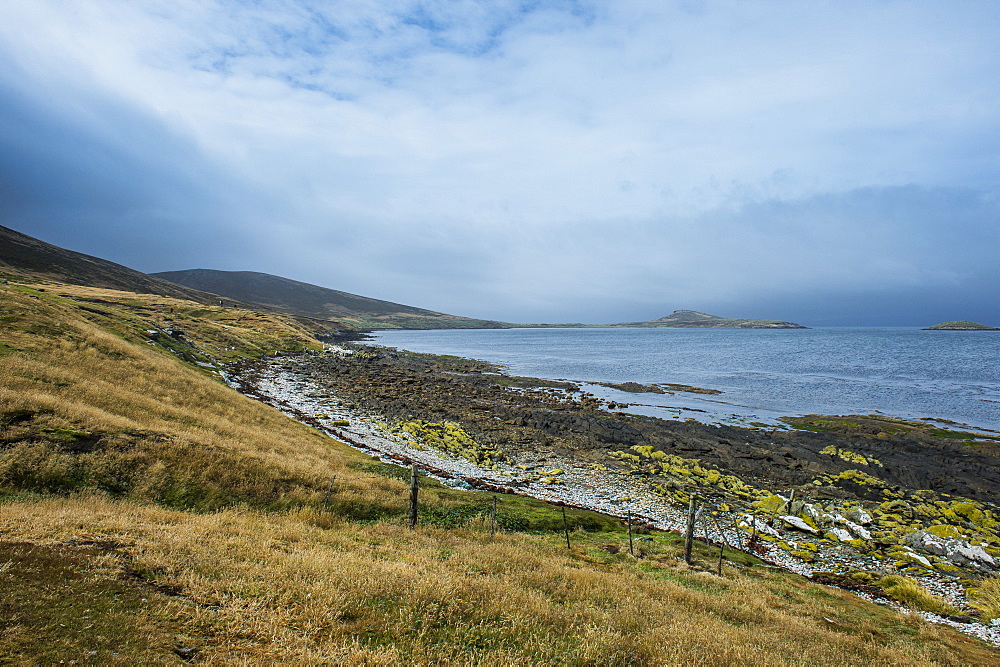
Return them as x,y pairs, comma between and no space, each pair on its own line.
961,325
835,497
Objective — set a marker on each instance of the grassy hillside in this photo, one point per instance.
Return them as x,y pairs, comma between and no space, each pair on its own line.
150,514
23,256
298,298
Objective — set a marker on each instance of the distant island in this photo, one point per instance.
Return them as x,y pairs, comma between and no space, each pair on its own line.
692,319
960,325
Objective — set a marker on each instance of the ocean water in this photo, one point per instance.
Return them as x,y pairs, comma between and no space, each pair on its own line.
762,374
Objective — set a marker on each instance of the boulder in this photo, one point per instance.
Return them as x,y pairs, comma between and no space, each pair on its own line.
957,552
839,534
798,524
908,555
819,517
860,516
859,532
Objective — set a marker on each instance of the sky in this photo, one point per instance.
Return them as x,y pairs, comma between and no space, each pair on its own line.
832,163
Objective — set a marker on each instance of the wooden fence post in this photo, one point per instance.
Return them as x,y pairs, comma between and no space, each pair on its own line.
752,544
414,489
722,553
329,492
723,542
631,549
565,525
493,519
689,532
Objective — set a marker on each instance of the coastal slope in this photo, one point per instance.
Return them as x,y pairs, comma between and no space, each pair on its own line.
23,256
299,298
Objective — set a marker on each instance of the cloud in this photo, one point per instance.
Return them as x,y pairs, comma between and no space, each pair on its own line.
524,160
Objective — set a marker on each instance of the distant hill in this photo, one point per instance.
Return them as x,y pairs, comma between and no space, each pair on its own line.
692,319
26,257
298,298
961,325
22,256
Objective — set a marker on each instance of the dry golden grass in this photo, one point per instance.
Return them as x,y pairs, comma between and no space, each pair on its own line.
914,596
96,426
223,332
986,598
145,408
252,587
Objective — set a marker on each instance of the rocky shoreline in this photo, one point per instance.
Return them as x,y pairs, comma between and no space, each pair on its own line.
471,425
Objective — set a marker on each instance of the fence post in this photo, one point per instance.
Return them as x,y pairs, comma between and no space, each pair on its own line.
631,550
493,519
414,489
723,541
329,492
689,532
565,525
722,553
752,544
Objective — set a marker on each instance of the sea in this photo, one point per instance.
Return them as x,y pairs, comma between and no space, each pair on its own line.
762,374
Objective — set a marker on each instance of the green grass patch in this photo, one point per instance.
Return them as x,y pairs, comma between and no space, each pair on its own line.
57,605
457,507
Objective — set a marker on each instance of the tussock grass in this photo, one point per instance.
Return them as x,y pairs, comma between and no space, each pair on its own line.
915,596
986,598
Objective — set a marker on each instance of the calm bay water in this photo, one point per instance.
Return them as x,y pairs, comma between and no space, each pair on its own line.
763,374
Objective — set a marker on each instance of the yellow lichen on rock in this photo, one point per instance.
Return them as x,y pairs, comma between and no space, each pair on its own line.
850,457
770,505
451,438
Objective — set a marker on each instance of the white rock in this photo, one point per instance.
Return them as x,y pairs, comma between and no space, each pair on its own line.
859,515
798,524
924,541
917,557
859,532
971,553
816,514
840,534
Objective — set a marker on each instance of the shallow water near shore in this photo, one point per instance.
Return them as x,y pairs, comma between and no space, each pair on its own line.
762,374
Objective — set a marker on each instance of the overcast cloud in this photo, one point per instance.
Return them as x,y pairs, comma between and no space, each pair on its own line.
822,162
